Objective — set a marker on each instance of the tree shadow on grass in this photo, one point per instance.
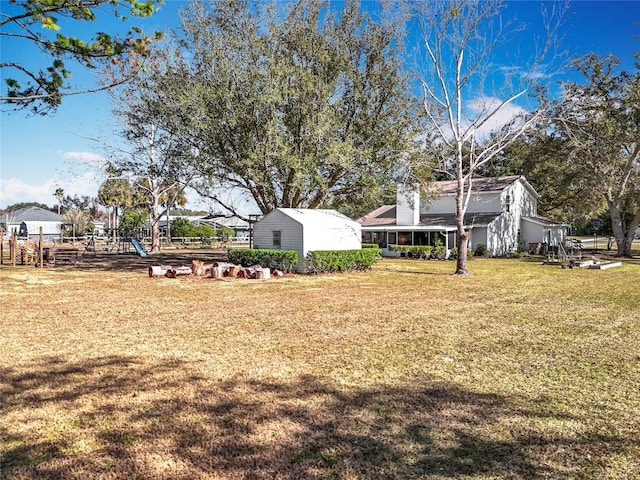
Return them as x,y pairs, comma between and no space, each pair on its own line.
127,417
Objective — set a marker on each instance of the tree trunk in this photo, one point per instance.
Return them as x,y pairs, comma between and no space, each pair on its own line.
624,240
154,220
462,237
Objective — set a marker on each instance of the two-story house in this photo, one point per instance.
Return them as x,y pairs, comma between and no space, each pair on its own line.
502,215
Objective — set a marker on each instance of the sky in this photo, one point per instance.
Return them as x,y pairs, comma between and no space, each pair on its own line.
65,149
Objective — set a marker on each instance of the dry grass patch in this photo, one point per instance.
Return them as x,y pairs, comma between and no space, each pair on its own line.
518,371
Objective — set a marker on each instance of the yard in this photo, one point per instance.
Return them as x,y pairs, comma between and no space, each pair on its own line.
518,371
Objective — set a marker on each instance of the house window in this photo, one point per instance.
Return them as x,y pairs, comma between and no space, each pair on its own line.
277,239
507,203
405,238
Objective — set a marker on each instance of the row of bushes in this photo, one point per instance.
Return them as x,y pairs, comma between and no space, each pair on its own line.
326,261
318,261
438,251
420,251
284,260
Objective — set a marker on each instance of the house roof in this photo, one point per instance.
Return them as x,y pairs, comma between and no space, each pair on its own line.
231,222
384,215
483,184
33,214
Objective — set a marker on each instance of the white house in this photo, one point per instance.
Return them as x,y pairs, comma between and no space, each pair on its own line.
26,222
305,230
502,215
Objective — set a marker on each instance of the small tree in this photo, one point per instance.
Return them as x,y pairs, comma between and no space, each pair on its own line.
59,194
79,222
117,194
181,227
159,168
130,223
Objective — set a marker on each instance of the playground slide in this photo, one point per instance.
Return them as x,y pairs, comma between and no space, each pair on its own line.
139,248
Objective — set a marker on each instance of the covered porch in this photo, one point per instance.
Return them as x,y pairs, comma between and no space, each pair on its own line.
389,236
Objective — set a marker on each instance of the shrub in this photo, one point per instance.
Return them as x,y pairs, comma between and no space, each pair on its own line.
370,245
481,250
203,231
454,253
415,251
181,227
280,259
325,261
439,252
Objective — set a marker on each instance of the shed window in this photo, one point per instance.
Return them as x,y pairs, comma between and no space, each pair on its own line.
507,203
277,239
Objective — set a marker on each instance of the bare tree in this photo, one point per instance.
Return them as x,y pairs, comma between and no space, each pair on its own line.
473,105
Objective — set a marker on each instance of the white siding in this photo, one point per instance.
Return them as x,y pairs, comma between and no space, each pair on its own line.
478,237
440,205
532,232
478,203
304,230
408,207
291,232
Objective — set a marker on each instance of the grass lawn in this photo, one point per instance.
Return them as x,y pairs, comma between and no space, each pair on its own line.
517,371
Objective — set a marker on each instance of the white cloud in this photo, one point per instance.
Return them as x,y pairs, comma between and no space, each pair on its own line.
480,107
14,190
477,110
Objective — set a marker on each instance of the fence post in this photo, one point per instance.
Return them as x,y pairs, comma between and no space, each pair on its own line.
13,246
40,248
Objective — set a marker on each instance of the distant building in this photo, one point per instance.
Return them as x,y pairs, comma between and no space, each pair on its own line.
26,223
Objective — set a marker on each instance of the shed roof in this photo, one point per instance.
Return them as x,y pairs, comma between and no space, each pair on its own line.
316,215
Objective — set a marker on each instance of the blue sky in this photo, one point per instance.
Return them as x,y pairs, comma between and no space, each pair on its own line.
40,154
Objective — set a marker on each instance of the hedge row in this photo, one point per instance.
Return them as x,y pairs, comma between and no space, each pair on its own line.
325,261
420,251
284,260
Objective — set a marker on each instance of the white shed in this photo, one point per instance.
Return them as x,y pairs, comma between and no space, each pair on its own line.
305,230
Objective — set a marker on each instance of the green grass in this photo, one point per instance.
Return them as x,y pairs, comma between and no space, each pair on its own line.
517,371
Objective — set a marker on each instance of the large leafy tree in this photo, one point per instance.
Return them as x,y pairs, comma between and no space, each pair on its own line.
475,108
600,121
541,156
49,27
293,104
